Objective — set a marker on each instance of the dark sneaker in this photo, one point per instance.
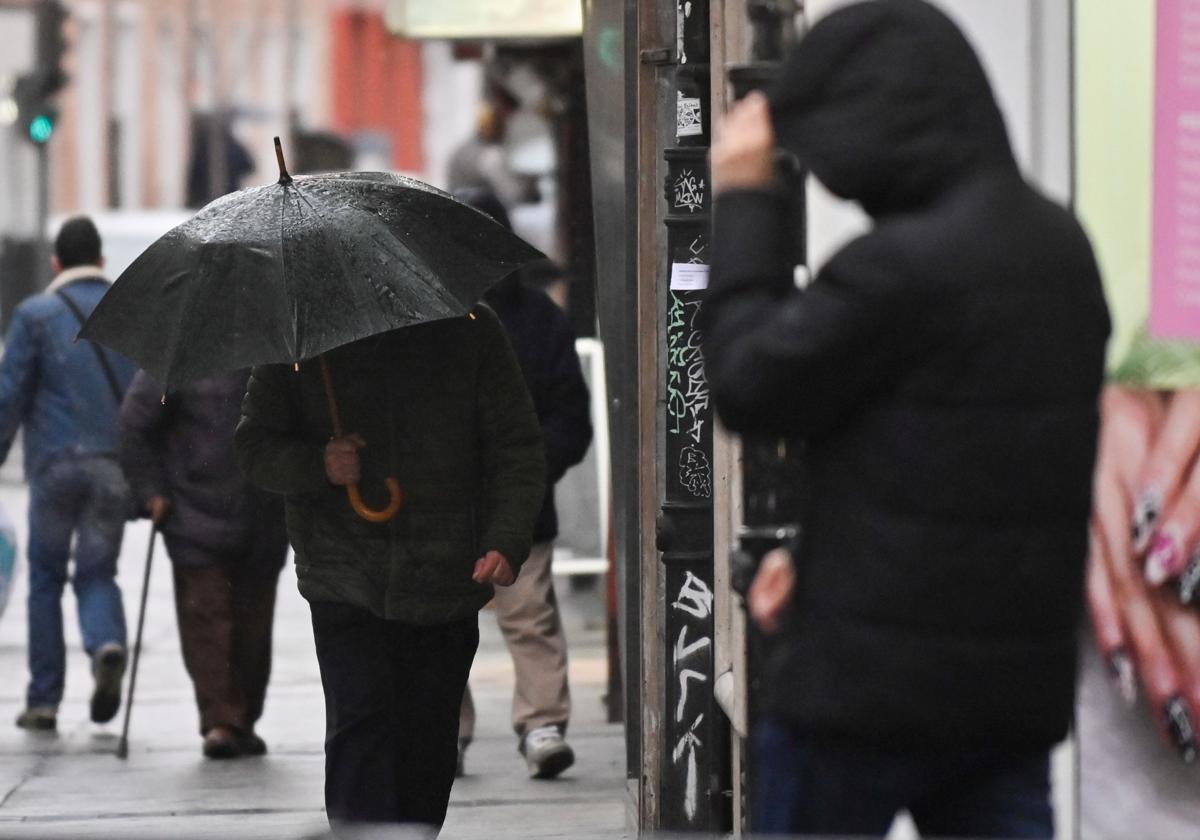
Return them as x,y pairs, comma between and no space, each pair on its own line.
250,744
546,753
38,719
108,667
222,742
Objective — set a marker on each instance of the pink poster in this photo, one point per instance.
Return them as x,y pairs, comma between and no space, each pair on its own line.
1175,270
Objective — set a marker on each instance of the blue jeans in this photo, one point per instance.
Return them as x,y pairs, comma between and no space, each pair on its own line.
806,785
85,500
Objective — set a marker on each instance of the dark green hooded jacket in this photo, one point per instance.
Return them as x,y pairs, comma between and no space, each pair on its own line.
444,409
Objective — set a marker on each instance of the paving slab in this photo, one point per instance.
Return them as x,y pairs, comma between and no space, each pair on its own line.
70,784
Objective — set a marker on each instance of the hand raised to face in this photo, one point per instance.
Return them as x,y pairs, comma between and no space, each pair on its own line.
743,156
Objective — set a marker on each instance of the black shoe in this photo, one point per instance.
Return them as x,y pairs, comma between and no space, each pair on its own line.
38,719
251,744
221,742
108,667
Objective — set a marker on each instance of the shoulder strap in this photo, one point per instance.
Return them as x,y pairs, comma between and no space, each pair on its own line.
100,354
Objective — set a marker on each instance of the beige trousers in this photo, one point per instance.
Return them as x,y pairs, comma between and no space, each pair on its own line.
527,613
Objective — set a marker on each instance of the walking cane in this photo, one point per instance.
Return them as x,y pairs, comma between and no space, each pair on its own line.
123,744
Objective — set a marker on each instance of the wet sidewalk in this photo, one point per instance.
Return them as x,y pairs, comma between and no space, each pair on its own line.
71,785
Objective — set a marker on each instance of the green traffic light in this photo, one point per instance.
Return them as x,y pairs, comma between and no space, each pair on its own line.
40,128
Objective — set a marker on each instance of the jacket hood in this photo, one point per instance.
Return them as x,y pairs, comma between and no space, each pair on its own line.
887,104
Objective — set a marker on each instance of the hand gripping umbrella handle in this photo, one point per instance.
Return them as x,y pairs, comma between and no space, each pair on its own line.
396,498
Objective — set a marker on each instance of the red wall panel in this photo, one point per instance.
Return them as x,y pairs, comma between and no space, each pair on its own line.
377,84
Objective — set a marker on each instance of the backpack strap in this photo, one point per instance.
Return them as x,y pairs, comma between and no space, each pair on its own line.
100,354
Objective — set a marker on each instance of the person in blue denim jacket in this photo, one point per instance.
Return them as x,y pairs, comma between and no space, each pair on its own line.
65,395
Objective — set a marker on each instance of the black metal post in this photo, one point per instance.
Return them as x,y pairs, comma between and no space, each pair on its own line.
41,261
694,759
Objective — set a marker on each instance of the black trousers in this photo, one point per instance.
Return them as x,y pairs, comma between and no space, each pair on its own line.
392,696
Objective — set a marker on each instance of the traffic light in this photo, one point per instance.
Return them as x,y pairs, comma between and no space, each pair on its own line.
34,92
36,113
51,45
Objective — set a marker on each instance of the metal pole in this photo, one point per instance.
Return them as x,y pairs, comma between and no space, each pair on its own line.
42,259
694,764
728,37
654,25
218,178
291,115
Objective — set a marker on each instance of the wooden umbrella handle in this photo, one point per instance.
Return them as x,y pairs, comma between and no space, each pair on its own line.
396,498
370,514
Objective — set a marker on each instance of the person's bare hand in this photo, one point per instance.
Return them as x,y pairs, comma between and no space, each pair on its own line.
771,591
1143,636
743,156
342,465
493,567
1166,509
158,507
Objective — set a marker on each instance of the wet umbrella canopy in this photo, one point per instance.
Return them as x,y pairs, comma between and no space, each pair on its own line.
284,272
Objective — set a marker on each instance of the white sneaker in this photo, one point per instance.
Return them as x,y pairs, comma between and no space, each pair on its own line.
546,753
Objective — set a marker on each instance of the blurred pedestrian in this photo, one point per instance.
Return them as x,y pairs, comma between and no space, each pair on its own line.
65,395
226,540
395,604
481,161
527,611
945,369
212,175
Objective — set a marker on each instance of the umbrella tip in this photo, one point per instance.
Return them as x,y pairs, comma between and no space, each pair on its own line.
284,177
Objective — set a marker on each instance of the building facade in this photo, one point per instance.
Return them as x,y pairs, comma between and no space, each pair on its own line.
146,74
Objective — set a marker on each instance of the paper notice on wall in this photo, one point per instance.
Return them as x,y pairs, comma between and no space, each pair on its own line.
689,119
1175,272
689,277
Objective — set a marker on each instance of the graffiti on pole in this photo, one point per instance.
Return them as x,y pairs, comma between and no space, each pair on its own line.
693,736
691,661
688,189
688,402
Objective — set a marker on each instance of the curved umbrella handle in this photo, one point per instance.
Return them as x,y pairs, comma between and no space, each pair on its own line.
335,416
370,514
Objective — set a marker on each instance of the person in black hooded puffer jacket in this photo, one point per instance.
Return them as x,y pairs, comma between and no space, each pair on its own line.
945,370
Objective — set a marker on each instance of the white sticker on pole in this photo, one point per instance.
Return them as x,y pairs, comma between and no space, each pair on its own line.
689,277
689,119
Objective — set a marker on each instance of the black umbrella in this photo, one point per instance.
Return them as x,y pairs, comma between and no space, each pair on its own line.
285,272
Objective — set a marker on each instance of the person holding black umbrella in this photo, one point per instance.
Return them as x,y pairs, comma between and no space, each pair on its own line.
226,540
443,407
354,299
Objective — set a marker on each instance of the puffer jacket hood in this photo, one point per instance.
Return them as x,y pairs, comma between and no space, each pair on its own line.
887,104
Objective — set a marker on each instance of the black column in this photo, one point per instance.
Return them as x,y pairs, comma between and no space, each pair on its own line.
694,752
